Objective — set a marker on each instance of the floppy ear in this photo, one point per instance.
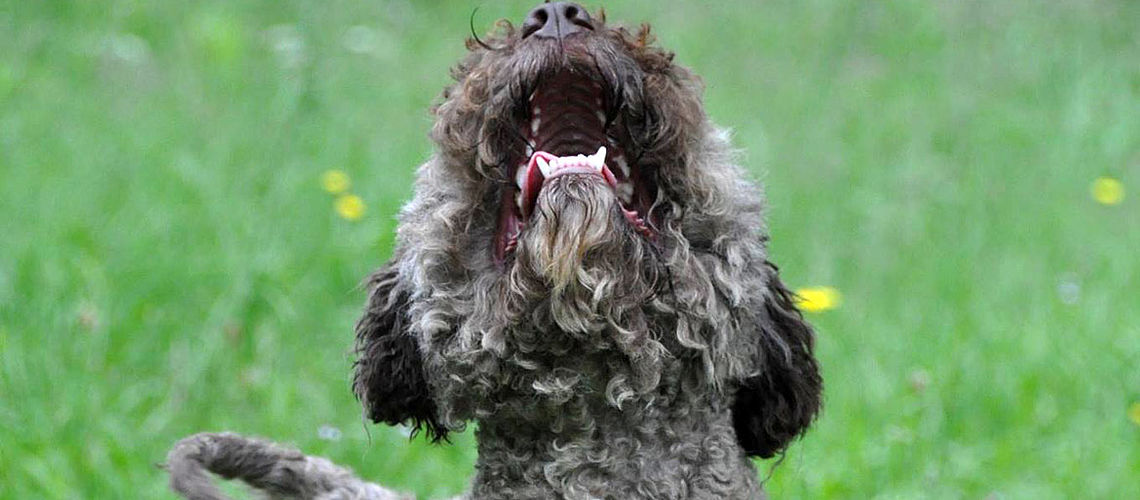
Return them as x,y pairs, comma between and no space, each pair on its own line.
389,374
777,404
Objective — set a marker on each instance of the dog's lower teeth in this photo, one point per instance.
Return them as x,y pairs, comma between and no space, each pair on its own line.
598,160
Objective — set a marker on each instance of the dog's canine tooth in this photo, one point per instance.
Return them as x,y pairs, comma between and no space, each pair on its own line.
534,124
520,176
598,160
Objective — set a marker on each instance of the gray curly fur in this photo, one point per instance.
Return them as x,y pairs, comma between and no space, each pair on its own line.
275,470
598,361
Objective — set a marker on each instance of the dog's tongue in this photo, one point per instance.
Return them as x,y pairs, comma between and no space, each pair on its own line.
544,166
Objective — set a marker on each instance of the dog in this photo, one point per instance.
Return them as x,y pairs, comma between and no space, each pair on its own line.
583,272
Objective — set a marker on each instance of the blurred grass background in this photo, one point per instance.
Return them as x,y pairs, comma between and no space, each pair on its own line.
170,264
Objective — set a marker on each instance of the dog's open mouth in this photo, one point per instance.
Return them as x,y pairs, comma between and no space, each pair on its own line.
568,134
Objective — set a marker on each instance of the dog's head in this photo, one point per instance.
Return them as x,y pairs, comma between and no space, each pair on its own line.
581,230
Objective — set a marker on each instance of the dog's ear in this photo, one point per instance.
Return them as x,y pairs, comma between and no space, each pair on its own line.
389,373
779,402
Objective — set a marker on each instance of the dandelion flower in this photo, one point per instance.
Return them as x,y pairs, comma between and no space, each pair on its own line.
335,181
350,207
1134,413
1108,191
817,299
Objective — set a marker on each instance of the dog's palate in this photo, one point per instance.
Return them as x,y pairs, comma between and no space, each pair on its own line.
567,115
567,132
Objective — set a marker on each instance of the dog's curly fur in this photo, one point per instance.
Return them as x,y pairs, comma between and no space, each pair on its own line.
277,471
599,360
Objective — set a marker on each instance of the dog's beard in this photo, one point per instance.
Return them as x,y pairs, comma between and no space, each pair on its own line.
575,218
581,250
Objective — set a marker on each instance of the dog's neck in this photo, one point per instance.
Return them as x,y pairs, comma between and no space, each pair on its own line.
652,447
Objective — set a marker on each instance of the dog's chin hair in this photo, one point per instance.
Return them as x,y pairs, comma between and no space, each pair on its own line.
580,252
574,216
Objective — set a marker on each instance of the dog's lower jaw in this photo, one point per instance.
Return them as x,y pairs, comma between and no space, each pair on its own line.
684,451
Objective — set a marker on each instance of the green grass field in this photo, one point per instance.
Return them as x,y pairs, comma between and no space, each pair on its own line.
169,262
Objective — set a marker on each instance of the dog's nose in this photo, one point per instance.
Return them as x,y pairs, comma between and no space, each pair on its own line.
556,20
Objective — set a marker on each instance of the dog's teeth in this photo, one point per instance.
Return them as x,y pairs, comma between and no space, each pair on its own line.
534,124
520,175
545,167
598,160
519,200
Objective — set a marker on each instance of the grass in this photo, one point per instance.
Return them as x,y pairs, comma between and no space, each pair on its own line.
169,263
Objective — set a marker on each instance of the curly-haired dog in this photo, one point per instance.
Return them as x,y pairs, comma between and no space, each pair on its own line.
583,271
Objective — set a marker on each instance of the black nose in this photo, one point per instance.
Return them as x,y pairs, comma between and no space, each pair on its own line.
556,20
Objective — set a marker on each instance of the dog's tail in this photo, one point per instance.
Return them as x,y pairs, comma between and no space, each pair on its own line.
278,471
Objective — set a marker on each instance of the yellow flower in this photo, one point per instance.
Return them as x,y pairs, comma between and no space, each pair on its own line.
1134,413
350,206
335,181
817,299
1107,191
